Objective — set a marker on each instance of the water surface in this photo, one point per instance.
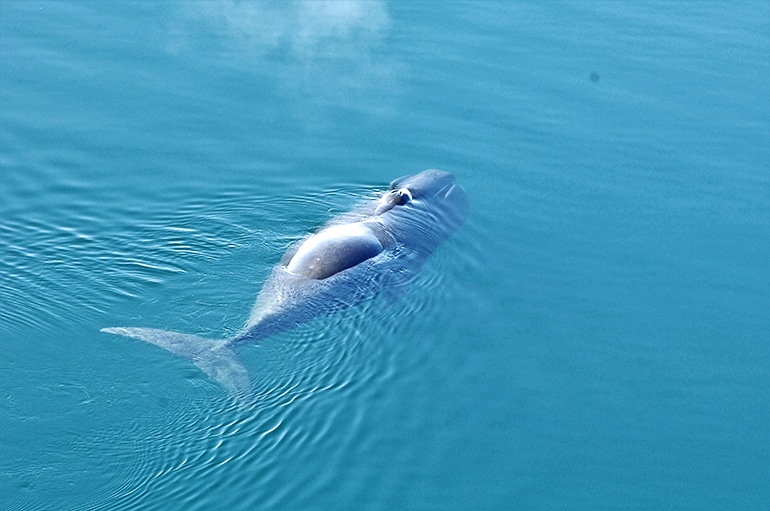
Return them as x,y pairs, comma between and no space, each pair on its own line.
594,337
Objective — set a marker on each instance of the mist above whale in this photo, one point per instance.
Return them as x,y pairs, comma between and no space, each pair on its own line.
379,245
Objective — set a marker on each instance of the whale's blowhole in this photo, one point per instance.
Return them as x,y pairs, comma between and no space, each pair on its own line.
392,198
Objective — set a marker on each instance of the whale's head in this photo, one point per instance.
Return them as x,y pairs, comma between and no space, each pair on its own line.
427,205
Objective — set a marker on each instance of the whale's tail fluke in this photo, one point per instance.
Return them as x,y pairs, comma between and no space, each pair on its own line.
214,357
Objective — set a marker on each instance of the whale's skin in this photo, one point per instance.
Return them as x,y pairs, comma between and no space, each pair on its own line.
409,233
378,246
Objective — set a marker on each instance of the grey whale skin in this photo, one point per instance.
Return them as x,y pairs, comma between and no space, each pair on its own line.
378,246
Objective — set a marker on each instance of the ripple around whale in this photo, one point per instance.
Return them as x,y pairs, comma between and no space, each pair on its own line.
376,248
310,386
317,382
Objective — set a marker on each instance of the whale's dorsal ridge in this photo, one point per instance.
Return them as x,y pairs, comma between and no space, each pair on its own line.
335,249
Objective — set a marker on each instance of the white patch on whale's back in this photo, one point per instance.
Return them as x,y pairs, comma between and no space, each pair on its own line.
335,249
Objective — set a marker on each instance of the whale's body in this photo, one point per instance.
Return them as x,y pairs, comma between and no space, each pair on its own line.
380,245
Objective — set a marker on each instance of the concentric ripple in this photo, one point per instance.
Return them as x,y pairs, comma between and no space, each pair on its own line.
159,426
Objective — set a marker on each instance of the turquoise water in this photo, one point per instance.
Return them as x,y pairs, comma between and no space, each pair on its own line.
595,336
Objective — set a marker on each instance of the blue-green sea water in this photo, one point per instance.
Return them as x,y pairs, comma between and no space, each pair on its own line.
595,336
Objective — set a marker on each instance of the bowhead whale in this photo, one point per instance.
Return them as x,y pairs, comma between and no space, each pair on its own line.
379,245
